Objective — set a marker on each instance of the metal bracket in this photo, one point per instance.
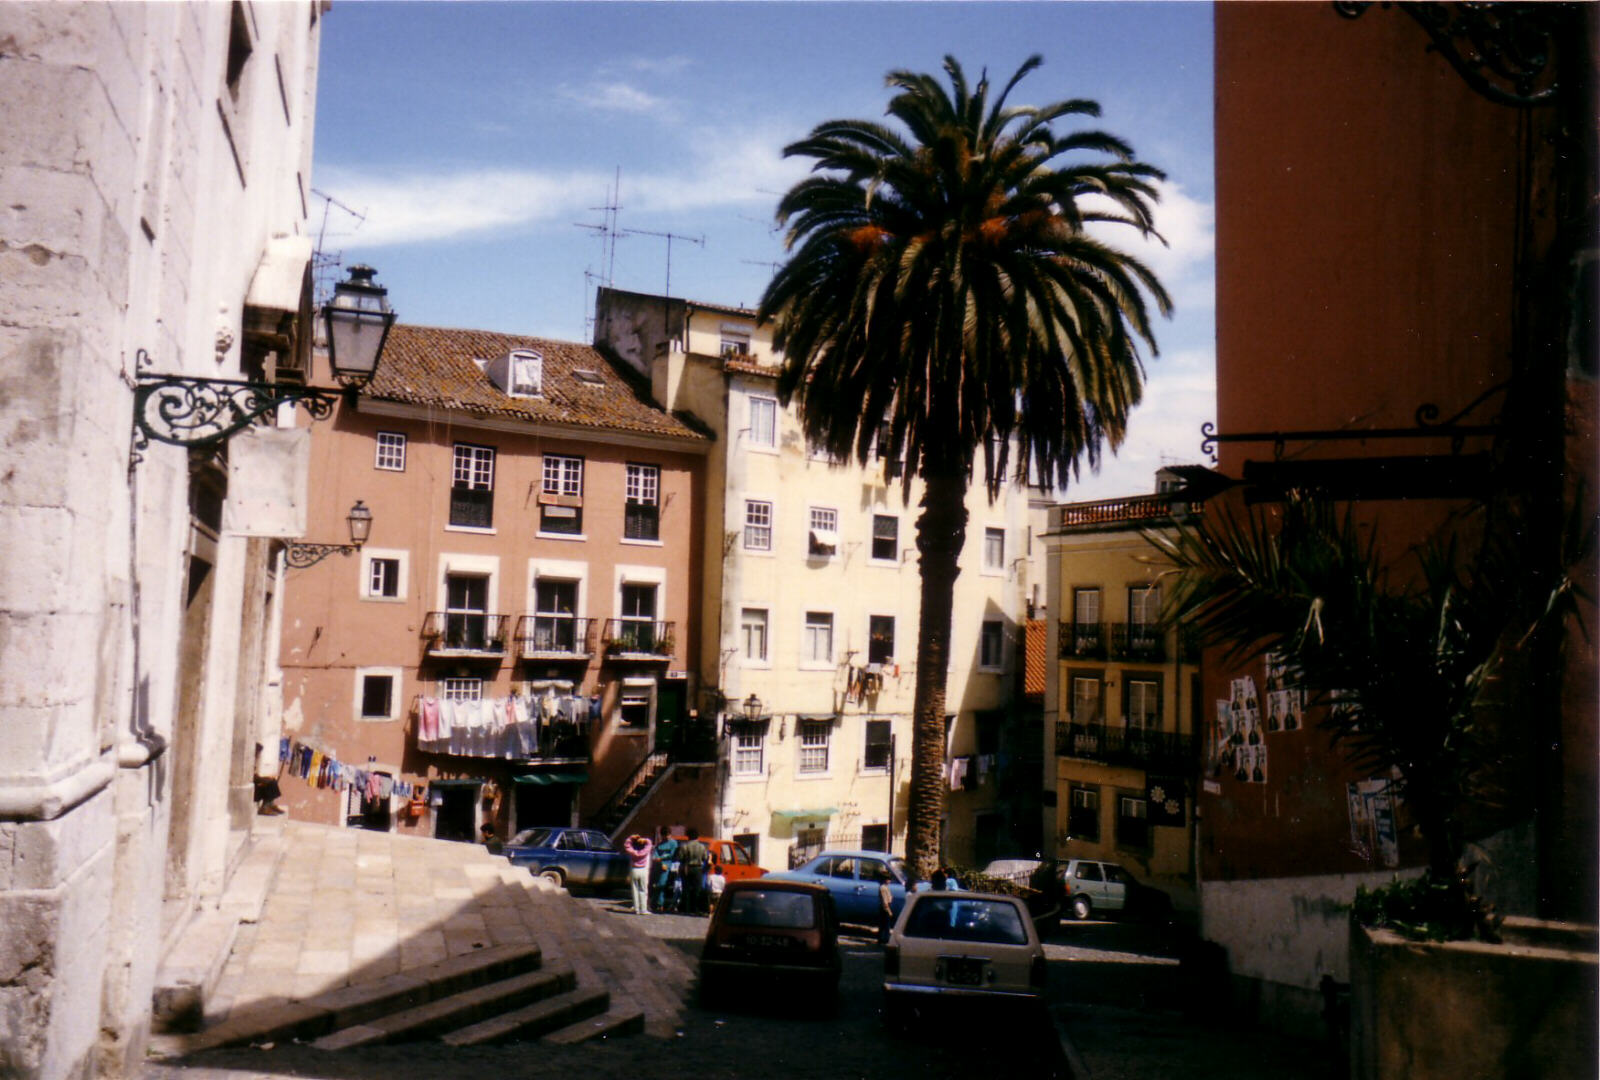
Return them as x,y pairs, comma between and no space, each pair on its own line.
298,556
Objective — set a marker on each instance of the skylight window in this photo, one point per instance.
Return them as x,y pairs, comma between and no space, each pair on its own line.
588,376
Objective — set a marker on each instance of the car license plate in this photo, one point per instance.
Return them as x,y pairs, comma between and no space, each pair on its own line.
963,970
767,941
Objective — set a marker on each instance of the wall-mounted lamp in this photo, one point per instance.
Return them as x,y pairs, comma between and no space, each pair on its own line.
183,410
752,708
299,556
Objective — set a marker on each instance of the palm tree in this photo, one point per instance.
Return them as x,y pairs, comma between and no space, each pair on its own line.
942,284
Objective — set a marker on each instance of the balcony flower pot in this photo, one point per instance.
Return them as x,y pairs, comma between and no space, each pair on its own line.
1522,1007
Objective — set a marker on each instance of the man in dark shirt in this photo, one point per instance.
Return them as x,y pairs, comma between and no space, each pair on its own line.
693,856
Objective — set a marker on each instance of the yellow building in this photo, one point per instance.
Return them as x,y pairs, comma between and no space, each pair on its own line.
1122,707
810,600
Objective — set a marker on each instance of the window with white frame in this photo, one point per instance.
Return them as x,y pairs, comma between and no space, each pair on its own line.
885,538
1133,822
391,451
462,689
563,475
637,630
735,342
383,578
763,421
1088,697
753,630
634,705
1141,708
1083,814
642,513
991,644
555,620
563,481
1144,605
527,373
472,487
814,736
378,692
880,639
823,538
875,756
757,525
818,643
994,549
749,744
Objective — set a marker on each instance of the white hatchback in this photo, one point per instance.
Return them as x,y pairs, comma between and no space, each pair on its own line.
961,945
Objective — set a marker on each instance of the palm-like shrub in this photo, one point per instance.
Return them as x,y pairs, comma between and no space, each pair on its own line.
944,301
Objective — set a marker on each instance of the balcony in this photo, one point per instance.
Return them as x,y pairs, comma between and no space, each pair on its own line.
1158,750
1137,510
465,634
555,637
1138,641
1083,641
638,639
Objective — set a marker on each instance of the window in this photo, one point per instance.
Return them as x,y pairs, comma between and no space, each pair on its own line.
466,620
757,525
555,623
994,549
991,644
1088,698
642,520
1141,704
633,710
818,646
1087,635
763,422
886,538
753,629
638,631
814,736
1133,821
377,697
561,505
527,374
874,838
383,578
472,487
1083,814
735,343
462,689
391,451
876,755
823,540
880,639
751,842
1144,615
881,441
749,741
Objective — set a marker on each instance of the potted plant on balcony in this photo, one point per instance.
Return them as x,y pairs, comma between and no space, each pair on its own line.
1421,667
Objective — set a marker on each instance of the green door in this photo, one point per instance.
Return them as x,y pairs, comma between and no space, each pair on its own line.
670,699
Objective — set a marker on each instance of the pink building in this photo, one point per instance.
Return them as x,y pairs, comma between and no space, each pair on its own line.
514,640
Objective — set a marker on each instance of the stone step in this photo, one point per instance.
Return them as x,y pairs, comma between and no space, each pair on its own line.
189,972
448,1014
359,1003
545,1017
619,1019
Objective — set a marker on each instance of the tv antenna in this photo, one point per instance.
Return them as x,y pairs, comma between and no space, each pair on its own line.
669,237
324,263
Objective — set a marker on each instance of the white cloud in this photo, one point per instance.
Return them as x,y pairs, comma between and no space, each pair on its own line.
618,96
653,65
1185,264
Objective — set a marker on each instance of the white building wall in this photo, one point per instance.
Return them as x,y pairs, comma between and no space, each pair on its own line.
123,225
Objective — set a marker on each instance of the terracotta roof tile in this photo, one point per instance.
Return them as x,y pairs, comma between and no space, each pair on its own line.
430,365
1036,655
750,367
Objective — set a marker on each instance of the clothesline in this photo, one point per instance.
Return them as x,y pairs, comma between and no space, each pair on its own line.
323,770
512,727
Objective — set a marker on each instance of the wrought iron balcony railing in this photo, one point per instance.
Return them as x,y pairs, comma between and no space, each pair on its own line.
1135,510
465,633
638,637
1138,641
1137,747
1083,641
555,637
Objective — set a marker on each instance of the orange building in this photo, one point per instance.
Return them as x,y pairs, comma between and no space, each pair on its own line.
516,636
1405,253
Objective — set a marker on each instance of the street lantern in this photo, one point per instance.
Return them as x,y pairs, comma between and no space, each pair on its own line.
752,708
298,556
360,519
358,320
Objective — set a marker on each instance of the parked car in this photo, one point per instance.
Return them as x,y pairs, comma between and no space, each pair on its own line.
736,863
778,934
852,878
1093,886
575,858
961,946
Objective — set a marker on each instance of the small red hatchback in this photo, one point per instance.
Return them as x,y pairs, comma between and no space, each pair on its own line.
778,935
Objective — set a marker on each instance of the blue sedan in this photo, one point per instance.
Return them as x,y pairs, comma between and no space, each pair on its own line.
582,858
852,877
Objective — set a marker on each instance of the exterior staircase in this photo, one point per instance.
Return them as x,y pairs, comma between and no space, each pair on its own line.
489,954
618,812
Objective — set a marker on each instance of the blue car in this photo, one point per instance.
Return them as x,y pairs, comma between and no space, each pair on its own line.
852,878
576,858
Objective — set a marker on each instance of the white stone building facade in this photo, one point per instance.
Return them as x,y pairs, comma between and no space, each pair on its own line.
154,177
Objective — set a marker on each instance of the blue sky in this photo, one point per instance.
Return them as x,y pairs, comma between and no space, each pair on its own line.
473,136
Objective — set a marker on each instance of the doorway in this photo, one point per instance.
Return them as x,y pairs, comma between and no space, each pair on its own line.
543,804
456,817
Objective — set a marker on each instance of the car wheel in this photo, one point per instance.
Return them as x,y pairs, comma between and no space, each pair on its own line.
553,876
1081,907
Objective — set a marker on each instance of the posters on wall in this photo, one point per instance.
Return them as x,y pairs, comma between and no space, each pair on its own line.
1372,827
1238,746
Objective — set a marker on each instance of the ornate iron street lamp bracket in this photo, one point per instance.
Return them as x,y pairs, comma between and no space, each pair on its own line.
298,556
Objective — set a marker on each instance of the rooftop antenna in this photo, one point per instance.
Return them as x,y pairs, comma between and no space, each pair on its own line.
608,242
323,264
666,308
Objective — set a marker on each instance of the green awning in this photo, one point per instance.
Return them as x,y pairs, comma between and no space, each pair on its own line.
552,778
826,811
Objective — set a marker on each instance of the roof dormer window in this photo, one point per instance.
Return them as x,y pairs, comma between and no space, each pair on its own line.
526,374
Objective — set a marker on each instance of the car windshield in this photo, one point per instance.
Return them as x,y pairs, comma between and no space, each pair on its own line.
531,838
771,907
950,918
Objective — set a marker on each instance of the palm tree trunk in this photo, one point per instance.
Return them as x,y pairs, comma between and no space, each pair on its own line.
941,532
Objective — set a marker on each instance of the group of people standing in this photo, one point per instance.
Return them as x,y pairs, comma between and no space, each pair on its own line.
672,875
